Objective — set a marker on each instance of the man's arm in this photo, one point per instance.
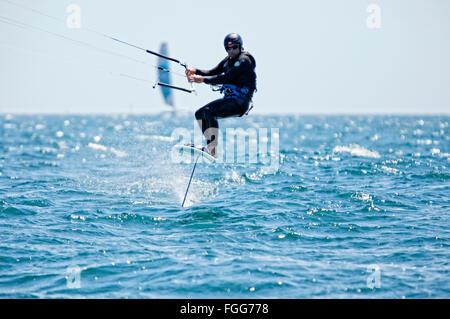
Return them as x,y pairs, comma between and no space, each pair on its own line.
215,71
241,66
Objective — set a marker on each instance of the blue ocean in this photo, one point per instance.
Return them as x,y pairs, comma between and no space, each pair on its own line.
339,206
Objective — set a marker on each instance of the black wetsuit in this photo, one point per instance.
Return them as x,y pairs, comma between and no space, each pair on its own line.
240,72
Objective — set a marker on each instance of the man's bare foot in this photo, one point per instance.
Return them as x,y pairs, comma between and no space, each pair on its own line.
212,151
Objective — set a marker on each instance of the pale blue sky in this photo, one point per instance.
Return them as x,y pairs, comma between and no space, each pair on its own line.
312,56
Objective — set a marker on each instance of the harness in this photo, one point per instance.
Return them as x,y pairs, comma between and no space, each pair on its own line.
231,91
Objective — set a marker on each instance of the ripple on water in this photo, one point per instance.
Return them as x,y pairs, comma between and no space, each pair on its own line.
100,193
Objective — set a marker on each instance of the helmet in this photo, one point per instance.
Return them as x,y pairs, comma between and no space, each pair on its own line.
232,38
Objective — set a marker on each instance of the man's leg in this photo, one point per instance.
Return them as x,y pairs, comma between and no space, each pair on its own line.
207,118
209,125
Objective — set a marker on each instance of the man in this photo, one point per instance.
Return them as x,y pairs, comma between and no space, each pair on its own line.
236,74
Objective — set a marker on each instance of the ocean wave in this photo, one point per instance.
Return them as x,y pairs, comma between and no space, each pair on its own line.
102,148
14,211
356,150
155,137
349,192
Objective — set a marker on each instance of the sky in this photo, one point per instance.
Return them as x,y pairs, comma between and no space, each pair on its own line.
313,57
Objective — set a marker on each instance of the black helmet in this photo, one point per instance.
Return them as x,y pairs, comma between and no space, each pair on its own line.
232,38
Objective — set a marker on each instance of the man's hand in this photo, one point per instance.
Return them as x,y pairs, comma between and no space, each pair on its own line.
190,71
195,78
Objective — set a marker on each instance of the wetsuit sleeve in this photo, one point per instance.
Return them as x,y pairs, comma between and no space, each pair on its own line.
243,66
215,71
